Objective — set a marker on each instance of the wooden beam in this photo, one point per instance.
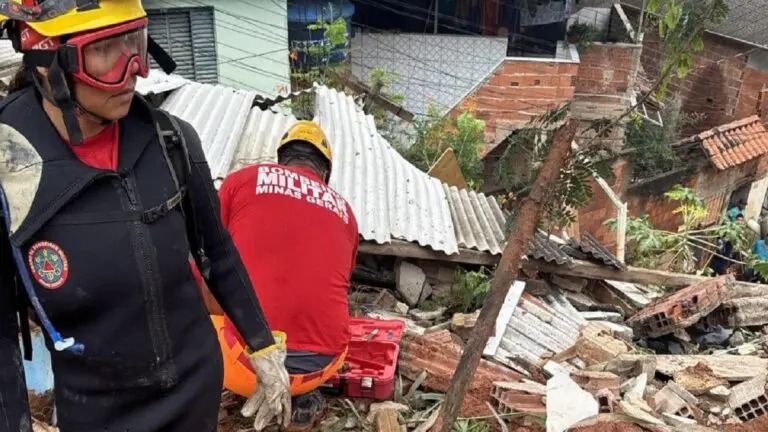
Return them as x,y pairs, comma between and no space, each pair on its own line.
404,249
577,268
641,276
386,421
729,367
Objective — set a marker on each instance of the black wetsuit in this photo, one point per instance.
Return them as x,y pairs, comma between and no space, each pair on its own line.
115,279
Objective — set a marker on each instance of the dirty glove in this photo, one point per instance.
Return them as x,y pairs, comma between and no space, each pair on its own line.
272,398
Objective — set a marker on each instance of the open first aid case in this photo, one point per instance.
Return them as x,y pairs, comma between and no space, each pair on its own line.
369,368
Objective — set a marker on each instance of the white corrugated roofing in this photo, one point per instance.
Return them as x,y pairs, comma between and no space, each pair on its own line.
531,327
258,142
10,61
478,219
391,198
218,114
159,82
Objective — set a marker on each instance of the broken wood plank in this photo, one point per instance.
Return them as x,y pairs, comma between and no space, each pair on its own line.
637,275
404,249
448,170
386,421
728,367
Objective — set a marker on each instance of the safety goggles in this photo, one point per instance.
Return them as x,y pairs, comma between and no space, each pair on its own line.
108,58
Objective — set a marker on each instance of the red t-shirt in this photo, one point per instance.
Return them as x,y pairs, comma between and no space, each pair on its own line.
298,240
101,150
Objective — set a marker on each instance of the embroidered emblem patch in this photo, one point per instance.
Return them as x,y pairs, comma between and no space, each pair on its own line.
49,264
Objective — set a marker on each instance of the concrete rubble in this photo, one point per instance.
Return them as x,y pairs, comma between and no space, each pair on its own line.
572,354
567,354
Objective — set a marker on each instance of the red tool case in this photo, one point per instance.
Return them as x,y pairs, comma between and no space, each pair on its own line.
369,369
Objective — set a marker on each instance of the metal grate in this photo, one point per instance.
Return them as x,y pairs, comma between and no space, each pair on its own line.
189,36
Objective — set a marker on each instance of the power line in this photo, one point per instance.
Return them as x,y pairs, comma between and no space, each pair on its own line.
266,72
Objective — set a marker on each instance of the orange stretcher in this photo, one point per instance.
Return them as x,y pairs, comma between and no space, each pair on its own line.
239,376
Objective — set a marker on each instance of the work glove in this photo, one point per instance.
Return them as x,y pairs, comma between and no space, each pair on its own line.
272,398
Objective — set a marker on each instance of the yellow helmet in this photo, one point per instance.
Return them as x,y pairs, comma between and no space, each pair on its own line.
53,18
308,131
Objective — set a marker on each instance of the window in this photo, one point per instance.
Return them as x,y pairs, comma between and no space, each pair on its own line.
189,36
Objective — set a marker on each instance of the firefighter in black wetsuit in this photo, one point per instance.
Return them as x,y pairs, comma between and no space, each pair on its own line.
96,236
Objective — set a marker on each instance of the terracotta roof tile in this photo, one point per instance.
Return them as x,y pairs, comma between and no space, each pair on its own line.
734,143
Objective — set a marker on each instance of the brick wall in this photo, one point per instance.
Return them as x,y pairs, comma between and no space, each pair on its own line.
600,208
517,91
755,81
722,85
607,73
648,198
711,181
606,68
762,105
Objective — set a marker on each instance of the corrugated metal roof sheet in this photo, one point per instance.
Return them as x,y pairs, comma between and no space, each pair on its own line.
478,220
159,82
218,114
391,197
595,250
258,142
541,247
734,143
267,102
533,326
10,61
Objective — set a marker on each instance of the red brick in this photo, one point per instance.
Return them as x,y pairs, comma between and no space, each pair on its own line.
530,67
437,354
568,68
681,309
566,92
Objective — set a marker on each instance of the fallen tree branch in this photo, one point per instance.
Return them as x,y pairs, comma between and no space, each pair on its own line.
506,273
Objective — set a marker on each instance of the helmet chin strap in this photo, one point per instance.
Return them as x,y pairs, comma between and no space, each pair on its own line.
61,96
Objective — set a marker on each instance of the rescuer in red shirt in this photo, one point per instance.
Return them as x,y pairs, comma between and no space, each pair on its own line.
298,239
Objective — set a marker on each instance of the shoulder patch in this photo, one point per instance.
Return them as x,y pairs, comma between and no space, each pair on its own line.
49,264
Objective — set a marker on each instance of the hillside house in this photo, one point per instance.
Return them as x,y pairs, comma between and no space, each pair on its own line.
724,165
730,76
236,43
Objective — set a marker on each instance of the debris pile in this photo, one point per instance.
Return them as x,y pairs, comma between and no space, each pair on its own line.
570,353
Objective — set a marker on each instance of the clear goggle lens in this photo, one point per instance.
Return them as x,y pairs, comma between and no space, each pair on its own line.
111,59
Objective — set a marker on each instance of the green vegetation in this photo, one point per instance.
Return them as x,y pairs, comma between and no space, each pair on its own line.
681,25
583,35
529,147
436,132
652,153
679,250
